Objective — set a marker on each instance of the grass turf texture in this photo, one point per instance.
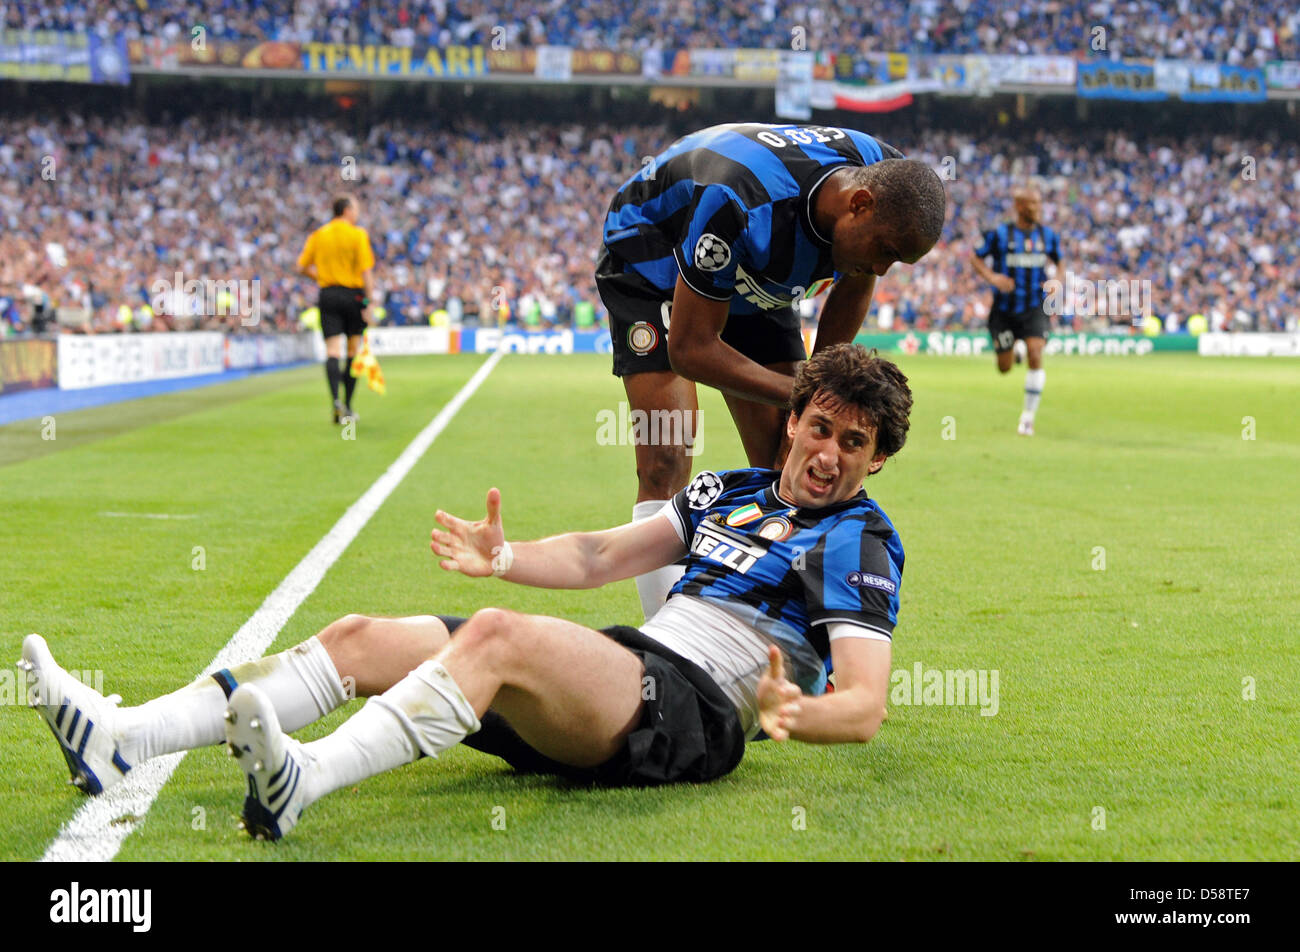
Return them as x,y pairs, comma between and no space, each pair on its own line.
1120,688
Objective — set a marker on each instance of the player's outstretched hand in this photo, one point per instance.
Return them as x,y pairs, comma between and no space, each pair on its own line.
778,699
468,547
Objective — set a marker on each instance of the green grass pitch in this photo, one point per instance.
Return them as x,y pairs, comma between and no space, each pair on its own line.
1130,573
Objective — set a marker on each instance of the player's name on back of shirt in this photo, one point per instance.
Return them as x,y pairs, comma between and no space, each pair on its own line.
728,209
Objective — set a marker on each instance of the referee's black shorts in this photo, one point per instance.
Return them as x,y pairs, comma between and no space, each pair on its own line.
340,311
639,316
689,731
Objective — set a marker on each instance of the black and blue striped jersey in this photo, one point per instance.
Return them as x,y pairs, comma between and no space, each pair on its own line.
730,209
785,571
1023,255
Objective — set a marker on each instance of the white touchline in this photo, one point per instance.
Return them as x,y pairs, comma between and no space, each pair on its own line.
97,830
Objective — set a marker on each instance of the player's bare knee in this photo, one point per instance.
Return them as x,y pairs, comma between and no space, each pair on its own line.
344,641
488,629
348,629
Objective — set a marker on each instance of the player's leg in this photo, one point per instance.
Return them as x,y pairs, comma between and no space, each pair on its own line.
1004,341
1034,352
773,339
570,692
355,655
372,654
658,399
1034,328
1035,378
661,400
668,405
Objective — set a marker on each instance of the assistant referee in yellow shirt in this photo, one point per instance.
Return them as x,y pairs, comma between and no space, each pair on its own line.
339,258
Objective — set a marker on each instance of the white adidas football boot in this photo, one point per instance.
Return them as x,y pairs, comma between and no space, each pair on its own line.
273,761
81,719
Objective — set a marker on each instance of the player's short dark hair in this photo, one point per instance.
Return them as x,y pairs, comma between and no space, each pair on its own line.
910,199
341,203
849,374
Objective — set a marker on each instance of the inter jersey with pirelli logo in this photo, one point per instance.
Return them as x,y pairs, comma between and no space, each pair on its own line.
729,208
786,571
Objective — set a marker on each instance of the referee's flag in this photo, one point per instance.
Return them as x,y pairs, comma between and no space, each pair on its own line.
365,365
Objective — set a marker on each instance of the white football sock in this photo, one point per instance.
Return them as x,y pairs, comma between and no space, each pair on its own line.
302,683
421,715
1034,389
653,587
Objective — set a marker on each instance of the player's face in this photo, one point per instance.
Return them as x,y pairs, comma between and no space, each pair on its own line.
860,245
1029,206
832,449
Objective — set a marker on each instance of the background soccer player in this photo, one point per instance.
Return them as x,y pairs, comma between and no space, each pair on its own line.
707,249
1020,251
338,257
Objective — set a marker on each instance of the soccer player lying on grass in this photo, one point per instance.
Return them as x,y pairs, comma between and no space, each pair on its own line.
787,571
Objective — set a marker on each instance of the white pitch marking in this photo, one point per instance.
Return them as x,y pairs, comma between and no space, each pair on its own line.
147,515
97,830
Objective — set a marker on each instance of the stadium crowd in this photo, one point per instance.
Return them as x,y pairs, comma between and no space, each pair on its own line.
1233,31
1206,220
469,221
113,216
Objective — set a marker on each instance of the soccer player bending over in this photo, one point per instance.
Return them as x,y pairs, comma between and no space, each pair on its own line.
789,574
706,253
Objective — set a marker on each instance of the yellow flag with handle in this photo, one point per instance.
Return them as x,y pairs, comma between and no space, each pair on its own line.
364,364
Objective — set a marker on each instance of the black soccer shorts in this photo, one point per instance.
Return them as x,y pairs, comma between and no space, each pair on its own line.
340,311
639,316
1006,328
689,731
